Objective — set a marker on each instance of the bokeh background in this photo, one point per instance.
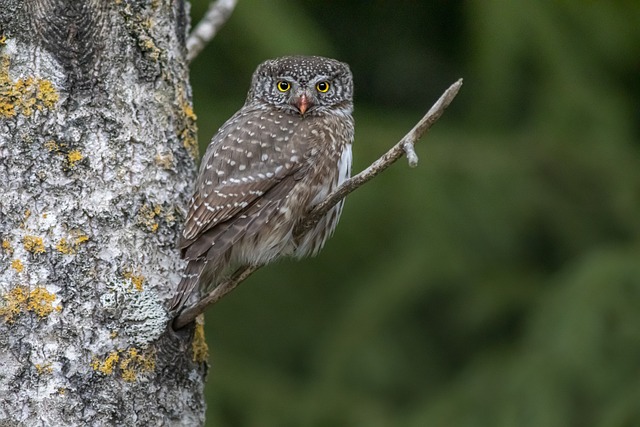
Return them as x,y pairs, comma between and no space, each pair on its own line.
498,284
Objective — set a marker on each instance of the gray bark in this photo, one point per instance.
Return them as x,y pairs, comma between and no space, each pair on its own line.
97,143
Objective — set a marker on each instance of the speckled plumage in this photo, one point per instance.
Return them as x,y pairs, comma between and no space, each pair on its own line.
272,161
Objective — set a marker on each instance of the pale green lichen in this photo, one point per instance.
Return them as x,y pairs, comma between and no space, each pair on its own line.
141,312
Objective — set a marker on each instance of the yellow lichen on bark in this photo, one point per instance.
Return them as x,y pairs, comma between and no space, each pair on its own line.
136,279
24,95
108,364
64,247
130,363
74,157
148,45
6,246
33,244
147,217
134,363
44,368
199,346
70,246
164,160
17,265
41,302
15,302
81,238
51,145
19,300
189,129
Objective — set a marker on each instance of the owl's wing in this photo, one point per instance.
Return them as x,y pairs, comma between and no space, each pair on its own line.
249,157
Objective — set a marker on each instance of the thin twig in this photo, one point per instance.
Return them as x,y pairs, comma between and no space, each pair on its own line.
404,146
217,14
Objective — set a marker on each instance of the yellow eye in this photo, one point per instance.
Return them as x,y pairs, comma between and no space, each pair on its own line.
322,87
283,86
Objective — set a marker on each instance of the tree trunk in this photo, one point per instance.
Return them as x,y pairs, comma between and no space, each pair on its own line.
97,144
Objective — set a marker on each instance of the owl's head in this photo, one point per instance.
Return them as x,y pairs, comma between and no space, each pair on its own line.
303,85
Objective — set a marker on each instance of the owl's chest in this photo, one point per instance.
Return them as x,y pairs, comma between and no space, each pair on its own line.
330,173
327,157
324,138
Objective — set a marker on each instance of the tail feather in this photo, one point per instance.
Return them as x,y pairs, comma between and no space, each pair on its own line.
188,284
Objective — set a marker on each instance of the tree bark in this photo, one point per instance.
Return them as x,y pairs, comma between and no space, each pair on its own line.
97,146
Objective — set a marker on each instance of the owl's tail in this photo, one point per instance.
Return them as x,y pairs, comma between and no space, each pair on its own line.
188,284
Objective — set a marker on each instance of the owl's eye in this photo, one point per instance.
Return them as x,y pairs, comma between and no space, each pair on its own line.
283,86
322,87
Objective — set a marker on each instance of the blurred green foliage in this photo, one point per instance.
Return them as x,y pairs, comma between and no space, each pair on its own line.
498,284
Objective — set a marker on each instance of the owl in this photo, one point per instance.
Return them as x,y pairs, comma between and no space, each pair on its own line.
282,153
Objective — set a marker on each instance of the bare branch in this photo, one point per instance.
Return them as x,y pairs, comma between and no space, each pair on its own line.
217,14
383,162
404,146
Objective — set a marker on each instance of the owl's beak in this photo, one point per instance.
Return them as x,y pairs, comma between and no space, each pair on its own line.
302,103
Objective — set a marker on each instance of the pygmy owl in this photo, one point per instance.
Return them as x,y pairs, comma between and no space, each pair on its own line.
282,153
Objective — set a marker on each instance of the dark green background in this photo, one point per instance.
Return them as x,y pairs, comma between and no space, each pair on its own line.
498,284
